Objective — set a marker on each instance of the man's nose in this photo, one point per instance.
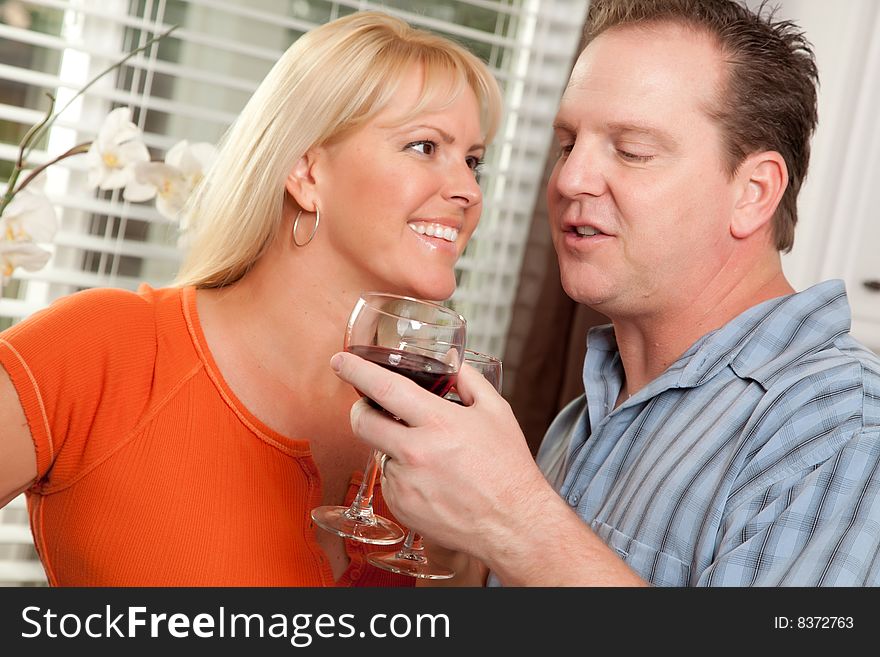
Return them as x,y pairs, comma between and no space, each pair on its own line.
581,171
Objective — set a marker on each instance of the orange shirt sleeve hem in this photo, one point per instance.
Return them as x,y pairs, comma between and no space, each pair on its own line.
32,404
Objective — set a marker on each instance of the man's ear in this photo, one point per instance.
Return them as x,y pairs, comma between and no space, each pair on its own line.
301,183
763,178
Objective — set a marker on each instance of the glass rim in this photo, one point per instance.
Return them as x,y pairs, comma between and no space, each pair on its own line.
481,357
390,295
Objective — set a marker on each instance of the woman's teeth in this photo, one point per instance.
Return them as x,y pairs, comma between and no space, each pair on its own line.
435,230
586,231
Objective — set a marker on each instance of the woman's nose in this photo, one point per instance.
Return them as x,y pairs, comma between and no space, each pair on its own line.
463,187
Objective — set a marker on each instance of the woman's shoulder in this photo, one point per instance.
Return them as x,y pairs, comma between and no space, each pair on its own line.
114,302
108,325
99,312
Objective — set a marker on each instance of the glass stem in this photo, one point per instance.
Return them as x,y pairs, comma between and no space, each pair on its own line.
412,547
361,508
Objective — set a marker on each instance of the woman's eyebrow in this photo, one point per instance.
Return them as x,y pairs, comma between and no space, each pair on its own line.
445,136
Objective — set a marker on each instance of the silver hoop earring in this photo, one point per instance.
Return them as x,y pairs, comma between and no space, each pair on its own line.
314,228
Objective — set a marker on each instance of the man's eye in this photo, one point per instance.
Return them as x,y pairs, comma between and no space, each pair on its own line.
632,157
424,147
565,150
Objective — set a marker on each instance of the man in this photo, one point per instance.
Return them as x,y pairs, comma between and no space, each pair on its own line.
730,431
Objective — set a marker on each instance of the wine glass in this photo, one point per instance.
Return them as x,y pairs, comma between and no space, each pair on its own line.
410,559
424,342
488,366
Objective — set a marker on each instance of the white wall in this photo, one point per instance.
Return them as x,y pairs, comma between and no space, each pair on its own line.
838,235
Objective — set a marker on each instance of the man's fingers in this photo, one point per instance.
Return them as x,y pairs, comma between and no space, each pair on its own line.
376,428
471,385
393,392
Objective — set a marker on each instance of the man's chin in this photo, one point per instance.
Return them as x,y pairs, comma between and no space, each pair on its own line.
583,289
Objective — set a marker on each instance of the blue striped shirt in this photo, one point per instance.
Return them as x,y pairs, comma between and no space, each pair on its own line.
754,460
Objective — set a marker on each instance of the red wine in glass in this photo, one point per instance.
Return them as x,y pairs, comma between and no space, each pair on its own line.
430,373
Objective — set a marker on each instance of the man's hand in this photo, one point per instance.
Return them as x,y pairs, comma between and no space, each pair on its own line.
463,477
460,475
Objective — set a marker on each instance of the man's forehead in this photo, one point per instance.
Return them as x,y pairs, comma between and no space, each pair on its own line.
653,43
644,61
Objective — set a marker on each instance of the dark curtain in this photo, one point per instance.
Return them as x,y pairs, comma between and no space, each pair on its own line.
546,342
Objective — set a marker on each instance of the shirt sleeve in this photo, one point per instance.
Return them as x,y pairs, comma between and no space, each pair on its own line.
82,369
567,432
803,523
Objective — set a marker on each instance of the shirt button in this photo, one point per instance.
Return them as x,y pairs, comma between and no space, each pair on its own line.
573,499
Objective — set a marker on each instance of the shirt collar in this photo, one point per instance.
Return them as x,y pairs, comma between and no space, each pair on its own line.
778,330
774,331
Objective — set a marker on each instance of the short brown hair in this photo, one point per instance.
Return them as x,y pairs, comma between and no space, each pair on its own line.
769,101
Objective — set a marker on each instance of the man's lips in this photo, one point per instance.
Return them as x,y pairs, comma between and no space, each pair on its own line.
583,230
587,231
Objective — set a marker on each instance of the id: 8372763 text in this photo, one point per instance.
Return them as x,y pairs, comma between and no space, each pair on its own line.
813,622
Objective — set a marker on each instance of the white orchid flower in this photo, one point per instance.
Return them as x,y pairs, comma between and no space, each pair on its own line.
30,216
23,254
116,149
192,159
155,179
172,182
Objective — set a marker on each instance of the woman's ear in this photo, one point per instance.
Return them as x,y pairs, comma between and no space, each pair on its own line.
764,178
301,183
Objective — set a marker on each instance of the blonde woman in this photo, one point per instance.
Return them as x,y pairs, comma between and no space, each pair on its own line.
180,436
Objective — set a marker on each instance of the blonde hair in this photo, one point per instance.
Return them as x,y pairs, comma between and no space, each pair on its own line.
330,81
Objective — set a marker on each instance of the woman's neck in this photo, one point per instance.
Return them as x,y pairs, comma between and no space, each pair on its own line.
286,317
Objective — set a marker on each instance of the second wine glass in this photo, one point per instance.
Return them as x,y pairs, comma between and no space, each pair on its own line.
424,342
410,559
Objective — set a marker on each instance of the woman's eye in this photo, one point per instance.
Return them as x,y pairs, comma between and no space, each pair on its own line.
565,150
474,163
423,147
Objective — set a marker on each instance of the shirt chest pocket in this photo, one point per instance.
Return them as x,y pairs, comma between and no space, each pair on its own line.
657,567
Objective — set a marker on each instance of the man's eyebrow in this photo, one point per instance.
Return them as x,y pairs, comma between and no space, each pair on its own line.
661,135
565,126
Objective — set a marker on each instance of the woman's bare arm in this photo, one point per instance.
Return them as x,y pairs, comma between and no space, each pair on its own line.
18,458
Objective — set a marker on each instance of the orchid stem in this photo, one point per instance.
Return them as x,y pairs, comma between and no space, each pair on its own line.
18,167
34,129
76,150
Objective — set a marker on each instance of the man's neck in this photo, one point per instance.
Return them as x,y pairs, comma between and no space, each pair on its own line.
648,345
